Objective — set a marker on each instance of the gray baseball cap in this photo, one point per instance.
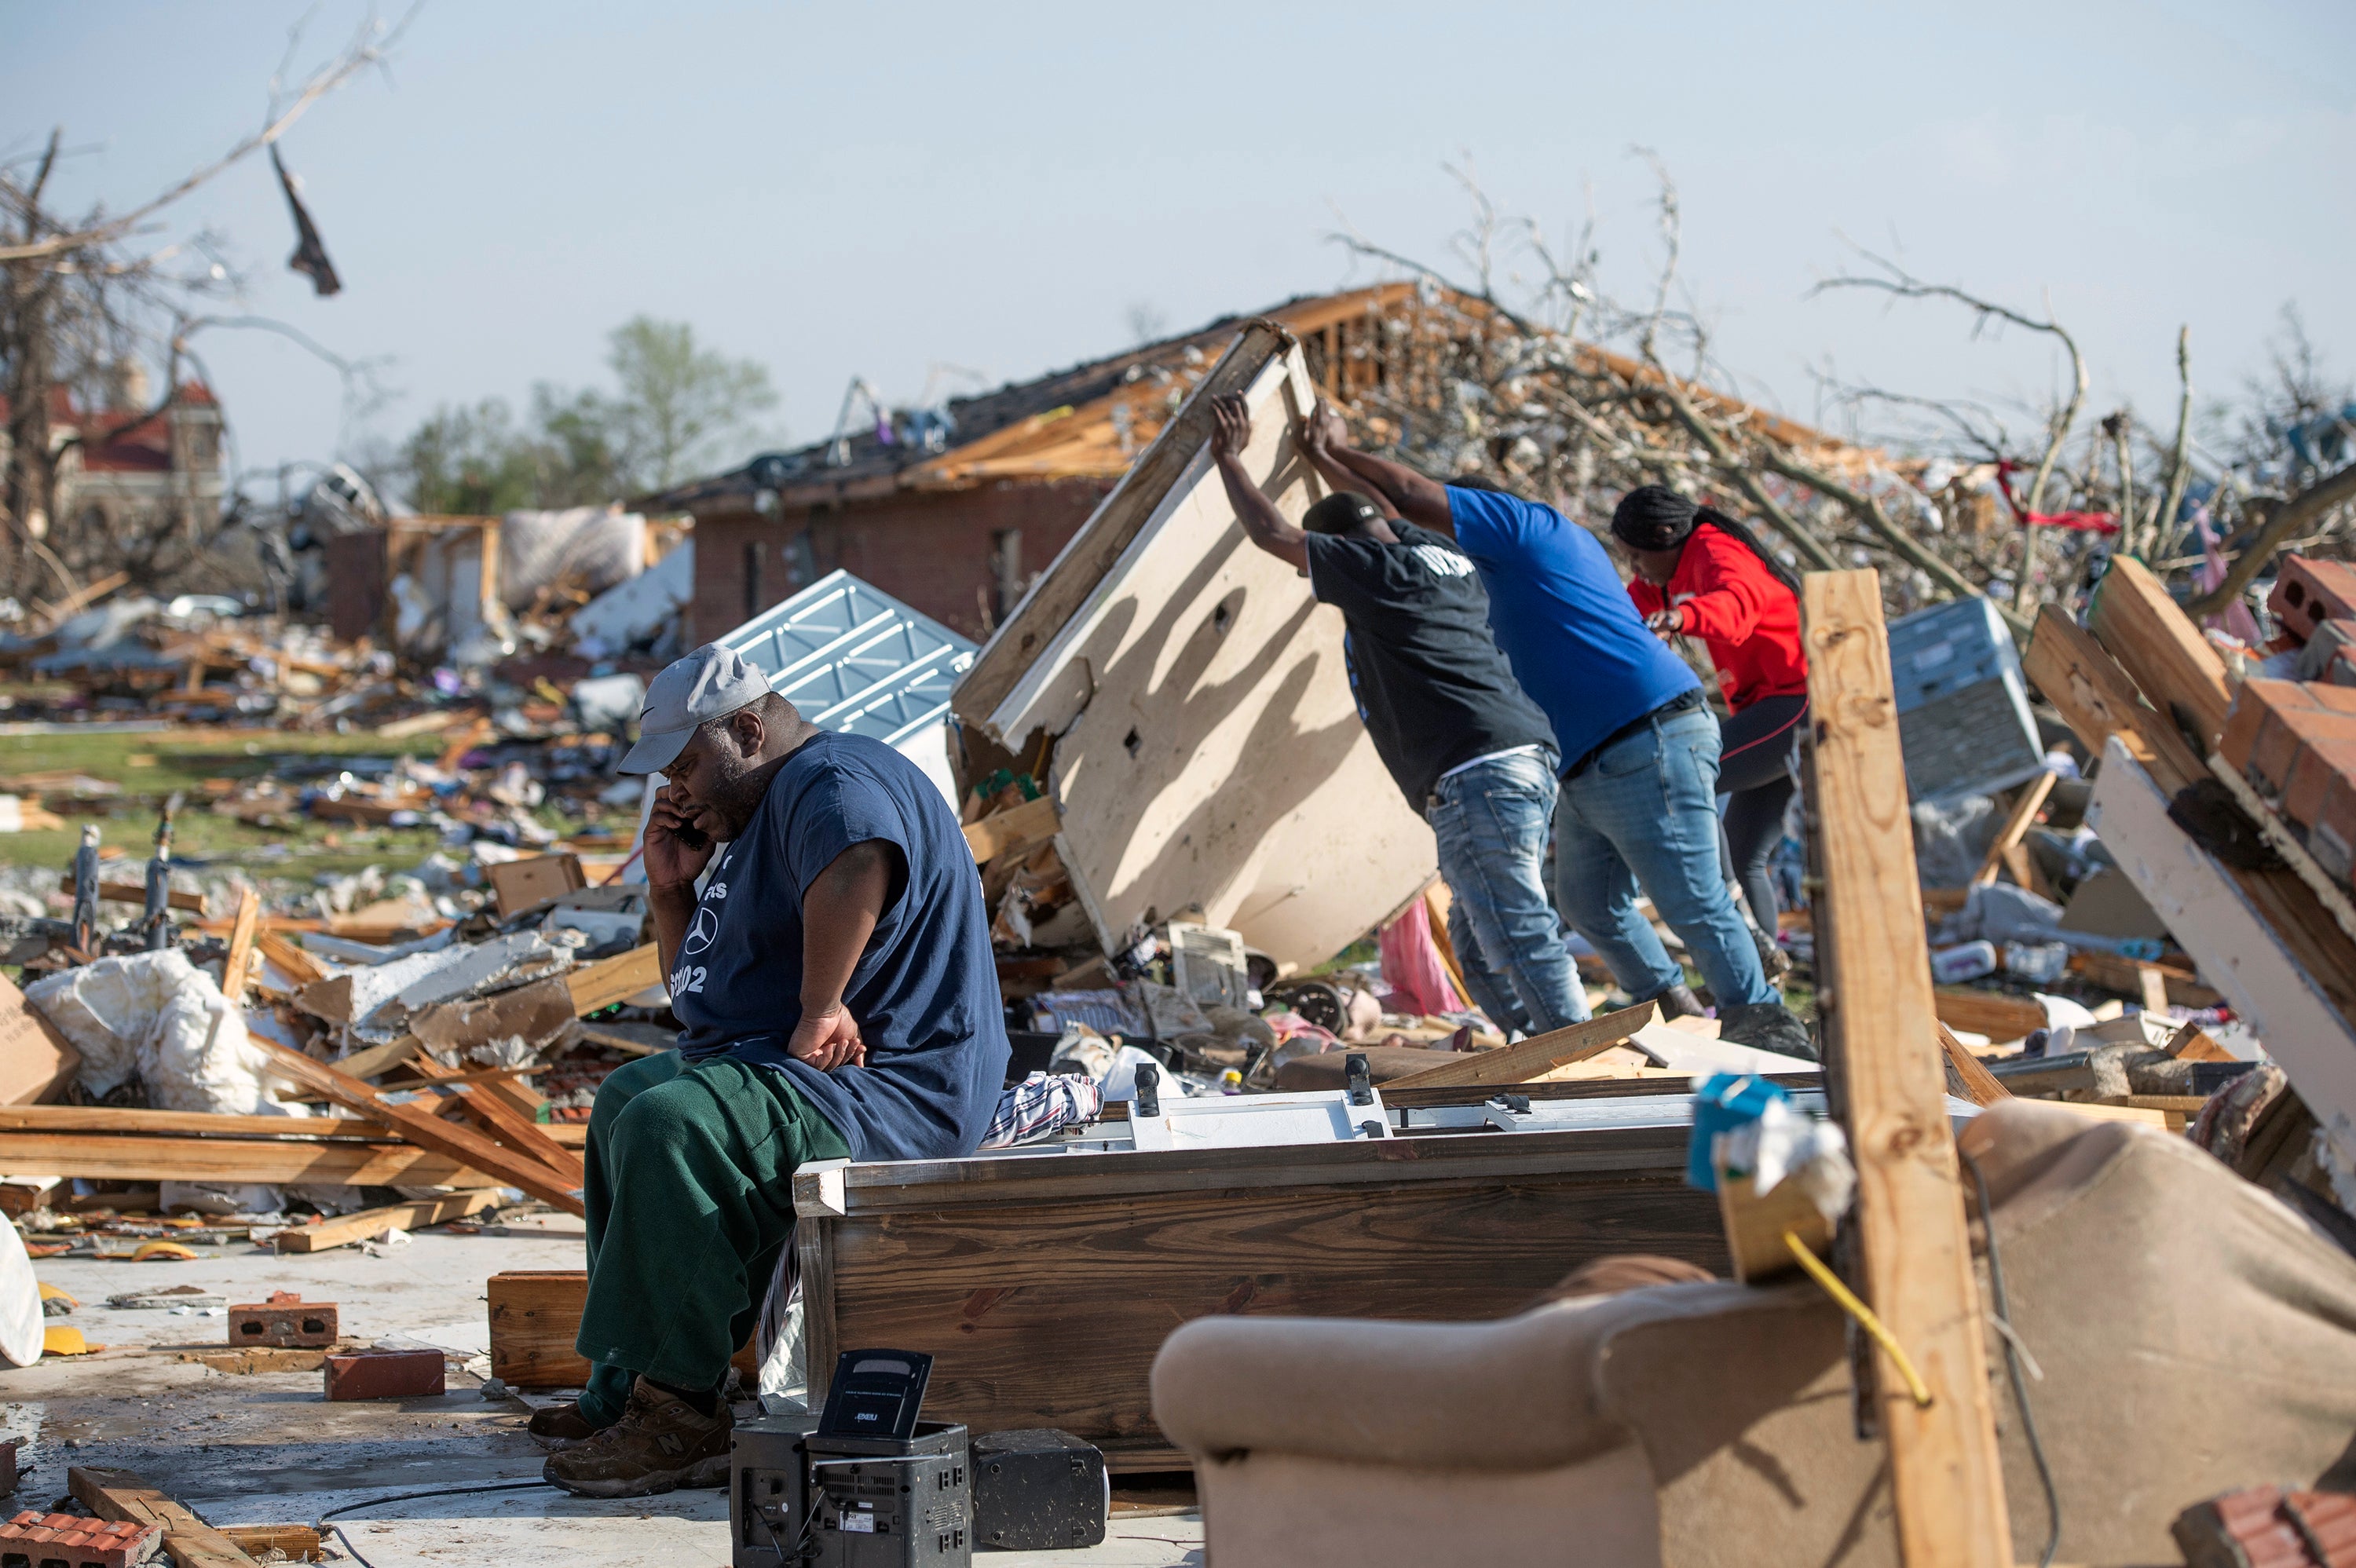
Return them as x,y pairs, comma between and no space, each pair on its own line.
707,683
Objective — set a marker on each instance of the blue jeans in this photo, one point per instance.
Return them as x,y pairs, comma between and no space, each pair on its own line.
1491,821
1645,810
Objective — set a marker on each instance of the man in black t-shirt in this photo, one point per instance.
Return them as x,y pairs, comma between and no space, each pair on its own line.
1465,743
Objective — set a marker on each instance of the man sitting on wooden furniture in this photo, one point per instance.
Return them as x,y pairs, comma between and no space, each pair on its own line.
840,999
1470,751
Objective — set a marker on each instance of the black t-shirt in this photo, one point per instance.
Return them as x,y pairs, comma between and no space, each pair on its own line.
1432,685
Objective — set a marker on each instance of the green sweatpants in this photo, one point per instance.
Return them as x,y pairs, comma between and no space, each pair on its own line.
690,1199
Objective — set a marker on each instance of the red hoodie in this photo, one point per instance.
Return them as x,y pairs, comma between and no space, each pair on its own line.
1750,622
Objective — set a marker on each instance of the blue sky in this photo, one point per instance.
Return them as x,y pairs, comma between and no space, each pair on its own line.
845,190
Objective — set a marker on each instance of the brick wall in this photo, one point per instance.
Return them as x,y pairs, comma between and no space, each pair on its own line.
939,552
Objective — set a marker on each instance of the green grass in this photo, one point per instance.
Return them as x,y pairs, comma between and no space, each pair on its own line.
151,766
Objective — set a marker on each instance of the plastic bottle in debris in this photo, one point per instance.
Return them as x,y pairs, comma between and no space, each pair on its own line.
1966,961
1231,1082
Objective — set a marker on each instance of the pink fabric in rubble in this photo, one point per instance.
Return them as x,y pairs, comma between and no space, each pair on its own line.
1411,965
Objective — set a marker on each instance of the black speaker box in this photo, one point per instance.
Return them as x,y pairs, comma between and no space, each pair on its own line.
1038,1490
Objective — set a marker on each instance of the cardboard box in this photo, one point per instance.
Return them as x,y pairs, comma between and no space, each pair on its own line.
35,1059
520,885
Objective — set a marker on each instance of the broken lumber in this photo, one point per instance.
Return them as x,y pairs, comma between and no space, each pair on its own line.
1033,821
297,965
1991,1013
1520,1062
370,1223
133,893
2098,700
502,1120
1883,1048
240,944
598,985
369,1060
512,1166
122,1494
2161,650
107,1156
1981,1087
2016,824
299,1542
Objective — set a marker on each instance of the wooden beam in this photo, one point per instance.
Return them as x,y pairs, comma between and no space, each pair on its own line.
372,1060
133,893
122,1494
1521,1063
2017,823
370,1223
598,985
2098,700
504,1121
513,1167
298,965
1031,822
1991,1013
300,1542
1981,1087
240,945
1887,1061
107,1156
2162,650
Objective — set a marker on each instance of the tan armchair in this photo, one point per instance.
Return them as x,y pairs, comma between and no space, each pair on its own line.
2195,1335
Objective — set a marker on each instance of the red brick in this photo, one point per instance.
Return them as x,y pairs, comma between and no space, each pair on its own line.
384,1374
929,550
2332,837
45,1538
2317,764
2307,592
2337,695
286,1320
2286,733
2253,705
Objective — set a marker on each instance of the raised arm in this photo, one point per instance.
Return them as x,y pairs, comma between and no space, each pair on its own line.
1408,493
1263,524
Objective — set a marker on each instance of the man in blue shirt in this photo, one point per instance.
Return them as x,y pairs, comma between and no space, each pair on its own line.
840,1000
1465,743
1640,746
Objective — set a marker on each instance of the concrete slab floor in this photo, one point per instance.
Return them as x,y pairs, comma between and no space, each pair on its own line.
265,1448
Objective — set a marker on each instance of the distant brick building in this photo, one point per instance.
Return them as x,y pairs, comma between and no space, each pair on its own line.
953,511
126,464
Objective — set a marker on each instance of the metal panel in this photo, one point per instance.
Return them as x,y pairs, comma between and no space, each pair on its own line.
855,660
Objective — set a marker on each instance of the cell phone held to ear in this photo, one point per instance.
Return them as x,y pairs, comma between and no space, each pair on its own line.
692,838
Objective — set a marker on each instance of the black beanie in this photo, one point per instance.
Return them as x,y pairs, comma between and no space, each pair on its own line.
1652,516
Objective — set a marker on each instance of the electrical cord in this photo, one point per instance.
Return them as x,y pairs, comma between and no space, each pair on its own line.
321,1523
2013,1351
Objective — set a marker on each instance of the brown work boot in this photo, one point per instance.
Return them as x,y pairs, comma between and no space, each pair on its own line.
560,1427
659,1443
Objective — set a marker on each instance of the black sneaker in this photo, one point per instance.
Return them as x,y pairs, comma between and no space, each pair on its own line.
1766,1026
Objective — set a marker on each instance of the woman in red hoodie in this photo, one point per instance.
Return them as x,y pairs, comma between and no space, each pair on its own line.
1699,574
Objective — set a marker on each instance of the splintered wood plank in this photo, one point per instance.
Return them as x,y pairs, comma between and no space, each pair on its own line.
104,1156
298,965
2098,700
1033,821
420,1126
609,980
1981,1086
370,1223
1886,1060
504,1121
1520,1062
240,944
122,1494
2016,824
2159,646
1991,1013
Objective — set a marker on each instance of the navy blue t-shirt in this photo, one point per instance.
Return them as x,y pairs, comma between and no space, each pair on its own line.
925,992
1564,619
